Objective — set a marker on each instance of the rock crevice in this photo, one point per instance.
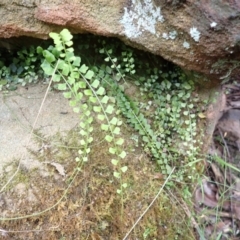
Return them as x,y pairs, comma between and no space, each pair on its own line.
201,36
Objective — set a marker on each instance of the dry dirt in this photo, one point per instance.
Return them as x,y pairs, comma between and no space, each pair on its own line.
18,111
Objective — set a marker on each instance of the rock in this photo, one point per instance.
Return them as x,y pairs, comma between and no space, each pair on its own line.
202,36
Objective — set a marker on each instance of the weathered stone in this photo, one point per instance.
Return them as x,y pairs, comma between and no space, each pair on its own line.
202,35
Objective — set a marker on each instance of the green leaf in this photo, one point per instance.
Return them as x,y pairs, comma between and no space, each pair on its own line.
191,105
181,94
109,51
101,117
119,191
100,91
90,139
70,56
108,70
124,185
79,96
80,152
62,86
120,141
145,139
97,109
104,127
82,124
72,103
116,130
119,123
116,174
112,150
49,57
95,84
84,107
105,99
56,38
82,132
76,109
123,154
90,129
169,169
74,75
66,35
47,68
114,162
101,50
82,84
88,92
124,169
3,82
66,70
118,77
183,105
82,142
70,50
90,120
187,86
39,50
76,62
69,43
114,121
88,150
108,138
89,74
109,109
56,77
93,99
83,69
71,80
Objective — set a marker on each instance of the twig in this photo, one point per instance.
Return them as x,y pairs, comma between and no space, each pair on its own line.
230,177
135,224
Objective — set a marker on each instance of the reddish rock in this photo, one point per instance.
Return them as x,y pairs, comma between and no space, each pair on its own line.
203,35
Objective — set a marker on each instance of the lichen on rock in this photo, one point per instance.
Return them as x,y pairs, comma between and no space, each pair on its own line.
140,18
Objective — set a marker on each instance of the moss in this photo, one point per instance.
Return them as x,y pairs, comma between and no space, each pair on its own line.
91,205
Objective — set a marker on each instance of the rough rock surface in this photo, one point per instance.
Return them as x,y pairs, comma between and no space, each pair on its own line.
18,112
197,35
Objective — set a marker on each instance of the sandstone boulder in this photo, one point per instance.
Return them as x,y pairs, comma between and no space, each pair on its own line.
203,35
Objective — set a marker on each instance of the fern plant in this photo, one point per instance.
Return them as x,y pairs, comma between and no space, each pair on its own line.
98,90
165,101
87,97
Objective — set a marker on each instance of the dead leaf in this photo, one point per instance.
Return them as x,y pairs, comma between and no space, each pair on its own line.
158,176
201,115
58,167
